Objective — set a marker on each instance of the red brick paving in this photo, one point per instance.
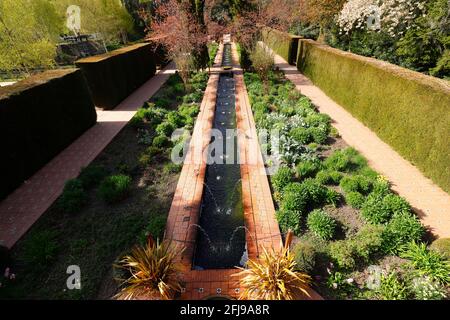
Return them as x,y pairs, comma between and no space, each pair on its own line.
21,209
429,201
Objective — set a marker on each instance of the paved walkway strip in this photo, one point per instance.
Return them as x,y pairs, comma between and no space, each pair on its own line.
21,209
428,200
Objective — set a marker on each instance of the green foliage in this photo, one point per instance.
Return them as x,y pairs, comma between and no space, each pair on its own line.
281,178
356,83
329,177
343,253
92,175
172,168
305,256
321,224
115,188
346,160
304,196
442,246
307,169
355,199
155,229
30,30
380,208
73,197
165,129
427,262
289,220
40,248
333,197
357,183
368,241
402,229
392,288
161,142
361,247
301,135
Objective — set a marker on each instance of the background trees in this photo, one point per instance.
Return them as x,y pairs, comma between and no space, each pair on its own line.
29,31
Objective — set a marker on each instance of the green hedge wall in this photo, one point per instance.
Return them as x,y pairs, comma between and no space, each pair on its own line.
39,117
284,44
408,110
112,77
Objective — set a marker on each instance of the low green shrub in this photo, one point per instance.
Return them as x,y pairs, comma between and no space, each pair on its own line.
165,129
155,229
92,175
321,224
357,183
442,246
355,199
40,248
304,196
175,119
172,168
73,197
329,177
402,229
307,169
346,160
333,197
380,208
368,241
392,288
301,135
305,257
161,142
427,262
319,135
289,220
342,252
281,178
115,188
162,102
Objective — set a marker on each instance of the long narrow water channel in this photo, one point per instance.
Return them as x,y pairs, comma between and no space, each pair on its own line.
221,242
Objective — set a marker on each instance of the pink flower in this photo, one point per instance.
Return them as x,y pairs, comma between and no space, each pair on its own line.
6,274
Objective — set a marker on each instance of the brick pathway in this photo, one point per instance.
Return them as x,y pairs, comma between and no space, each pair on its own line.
429,201
20,210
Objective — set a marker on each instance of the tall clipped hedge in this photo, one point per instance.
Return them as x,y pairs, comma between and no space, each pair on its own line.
113,76
284,44
408,110
39,117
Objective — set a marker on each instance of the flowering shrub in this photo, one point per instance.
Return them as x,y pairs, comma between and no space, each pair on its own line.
391,16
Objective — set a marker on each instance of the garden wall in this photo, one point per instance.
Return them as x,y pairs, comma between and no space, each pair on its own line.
115,75
408,110
39,117
284,44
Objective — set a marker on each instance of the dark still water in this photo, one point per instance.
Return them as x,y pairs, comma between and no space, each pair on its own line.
221,232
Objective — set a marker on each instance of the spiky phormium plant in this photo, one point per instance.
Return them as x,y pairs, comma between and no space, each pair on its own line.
273,277
153,272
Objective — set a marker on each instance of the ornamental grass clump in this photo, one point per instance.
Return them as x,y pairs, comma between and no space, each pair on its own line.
153,272
427,262
273,277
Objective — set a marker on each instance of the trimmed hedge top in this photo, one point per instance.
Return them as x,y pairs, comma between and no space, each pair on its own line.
114,53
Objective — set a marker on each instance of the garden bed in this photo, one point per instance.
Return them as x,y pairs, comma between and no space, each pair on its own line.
121,198
354,236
